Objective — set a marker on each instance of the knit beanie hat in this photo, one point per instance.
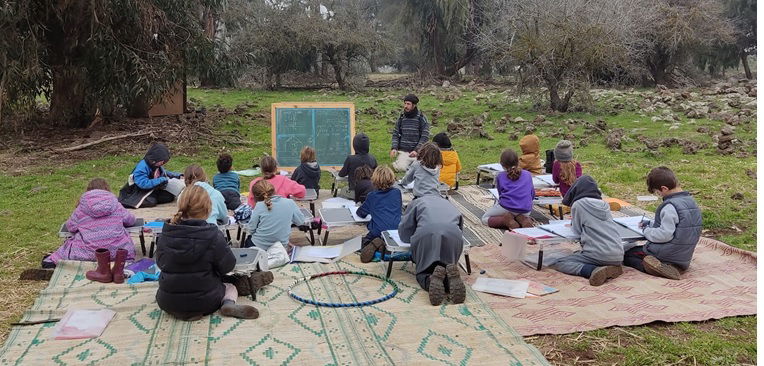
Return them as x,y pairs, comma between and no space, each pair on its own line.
563,151
442,140
411,98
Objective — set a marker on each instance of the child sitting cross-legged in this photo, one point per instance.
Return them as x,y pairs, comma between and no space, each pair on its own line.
451,163
385,206
227,182
98,232
530,148
673,235
194,256
515,186
601,251
425,172
271,223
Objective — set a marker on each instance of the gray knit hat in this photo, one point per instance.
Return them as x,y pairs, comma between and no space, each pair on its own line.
563,151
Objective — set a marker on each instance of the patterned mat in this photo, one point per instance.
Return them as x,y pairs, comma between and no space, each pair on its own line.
721,282
403,330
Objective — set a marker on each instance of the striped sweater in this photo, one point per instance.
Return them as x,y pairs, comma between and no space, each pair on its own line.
410,132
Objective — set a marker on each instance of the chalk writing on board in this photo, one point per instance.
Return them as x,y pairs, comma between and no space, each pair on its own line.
328,129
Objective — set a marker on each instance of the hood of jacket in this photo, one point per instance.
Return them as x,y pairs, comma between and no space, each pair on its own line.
361,143
431,171
190,239
98,203
530,144
584,186
311,170
157,152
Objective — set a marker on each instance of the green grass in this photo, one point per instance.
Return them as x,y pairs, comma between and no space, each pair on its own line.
33,205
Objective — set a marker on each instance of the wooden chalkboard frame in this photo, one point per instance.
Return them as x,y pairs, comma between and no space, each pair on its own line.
286,105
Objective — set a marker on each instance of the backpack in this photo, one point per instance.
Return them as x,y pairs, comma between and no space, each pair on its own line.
549,161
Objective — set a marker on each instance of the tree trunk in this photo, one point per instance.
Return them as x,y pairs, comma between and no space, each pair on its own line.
2,85
746,67
68,103
210,27
555,102
338,74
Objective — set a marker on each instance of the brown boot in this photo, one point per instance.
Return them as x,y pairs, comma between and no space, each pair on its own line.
367,252
602,274
437,289
509,220
118,270
261,279
102,272
657,268
234,310
524,221
456,287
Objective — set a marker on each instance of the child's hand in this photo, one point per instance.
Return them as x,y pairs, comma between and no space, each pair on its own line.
393,152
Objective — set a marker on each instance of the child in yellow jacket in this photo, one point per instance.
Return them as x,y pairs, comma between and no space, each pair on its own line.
451,163
530,160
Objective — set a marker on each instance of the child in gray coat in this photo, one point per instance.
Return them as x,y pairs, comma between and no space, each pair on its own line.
433,227
601,252
425,172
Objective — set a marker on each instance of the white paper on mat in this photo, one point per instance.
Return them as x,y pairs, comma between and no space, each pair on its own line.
337,202
546,178
354,211
498,286
321,251
494,166
631,222
80,323
535,233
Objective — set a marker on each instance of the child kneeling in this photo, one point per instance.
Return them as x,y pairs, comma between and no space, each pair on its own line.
601,251
193,256
673,235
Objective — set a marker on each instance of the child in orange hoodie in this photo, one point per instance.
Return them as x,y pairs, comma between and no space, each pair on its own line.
451,163
530,160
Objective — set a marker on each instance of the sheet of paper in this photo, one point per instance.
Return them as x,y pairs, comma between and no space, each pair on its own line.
397,238
337,202
248,172
546,178
494,192
354,211
631,222
331,251
647,198
498,286
77,324
175,186
349,247
540,289
494,166
547,201
562,228
535,233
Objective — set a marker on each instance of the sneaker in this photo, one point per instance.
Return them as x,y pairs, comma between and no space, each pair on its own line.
602,274
437,287
367,252
456,287
234,310
657,268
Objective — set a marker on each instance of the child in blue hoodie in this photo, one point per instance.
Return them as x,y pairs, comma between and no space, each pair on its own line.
385,207
145,187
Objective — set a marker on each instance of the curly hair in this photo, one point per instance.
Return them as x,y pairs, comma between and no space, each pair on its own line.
224,162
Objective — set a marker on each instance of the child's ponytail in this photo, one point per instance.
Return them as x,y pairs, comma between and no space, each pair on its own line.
177,217
263,191
269,166
509,161
514,173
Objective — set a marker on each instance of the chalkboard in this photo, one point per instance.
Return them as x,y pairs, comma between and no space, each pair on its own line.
327,127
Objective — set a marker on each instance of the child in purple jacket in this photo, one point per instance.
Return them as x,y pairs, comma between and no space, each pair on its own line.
512,209
99,221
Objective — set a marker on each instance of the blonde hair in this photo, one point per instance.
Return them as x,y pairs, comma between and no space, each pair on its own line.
307,155
263,191
383,177
269,166
194,203
194,173
568,172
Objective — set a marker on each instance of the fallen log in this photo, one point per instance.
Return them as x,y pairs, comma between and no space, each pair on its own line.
105,139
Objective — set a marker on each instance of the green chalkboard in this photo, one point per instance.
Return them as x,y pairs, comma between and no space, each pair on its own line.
327,127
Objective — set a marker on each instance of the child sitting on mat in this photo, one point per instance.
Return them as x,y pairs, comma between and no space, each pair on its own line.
529,160
352,162
673,235
433,227
194,256
146,185
601,251
385,206
99,221
308,173
227,182
363,184
451,163
271,223
284,186
425,172
515,186
194,175
565,170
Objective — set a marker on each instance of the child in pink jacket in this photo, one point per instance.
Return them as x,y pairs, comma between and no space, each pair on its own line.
284,186
99,221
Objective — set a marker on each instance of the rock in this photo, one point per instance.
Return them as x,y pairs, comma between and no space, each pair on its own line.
613,139
727,130
737,196
513,136
454,128
726,138
501,128
446,84
750,173
519,120
37,189
703,129
371,111
601,124
529,129
539,118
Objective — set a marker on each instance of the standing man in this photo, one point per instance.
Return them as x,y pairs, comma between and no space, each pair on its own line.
411,131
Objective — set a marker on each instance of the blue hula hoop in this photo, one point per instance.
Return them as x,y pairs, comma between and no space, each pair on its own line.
343,305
